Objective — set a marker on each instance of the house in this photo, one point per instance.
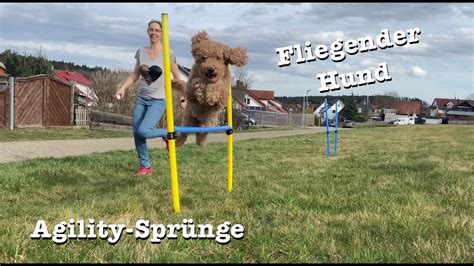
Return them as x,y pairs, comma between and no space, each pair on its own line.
263,100
320,111
3,77
3,71
408,108
388,114
82,87
400,109
464,110
453,109
365,107
440,105
293,107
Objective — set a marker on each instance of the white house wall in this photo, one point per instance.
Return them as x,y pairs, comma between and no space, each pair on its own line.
253,102
332,109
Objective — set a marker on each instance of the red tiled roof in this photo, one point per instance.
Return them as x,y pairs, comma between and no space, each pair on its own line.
408,108
250,92
441,102
281,110
70,76
263,95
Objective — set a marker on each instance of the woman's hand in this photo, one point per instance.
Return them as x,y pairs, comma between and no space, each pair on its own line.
120,93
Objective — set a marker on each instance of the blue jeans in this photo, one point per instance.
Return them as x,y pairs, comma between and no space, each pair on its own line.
146,114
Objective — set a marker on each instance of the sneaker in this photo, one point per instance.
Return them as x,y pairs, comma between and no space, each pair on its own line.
144,171
165,139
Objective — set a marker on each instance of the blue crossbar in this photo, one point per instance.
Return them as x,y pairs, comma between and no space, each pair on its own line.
200,129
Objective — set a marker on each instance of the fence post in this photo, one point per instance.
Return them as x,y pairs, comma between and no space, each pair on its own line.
73,110
12,102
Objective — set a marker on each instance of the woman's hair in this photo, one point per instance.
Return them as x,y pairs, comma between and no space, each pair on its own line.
154,21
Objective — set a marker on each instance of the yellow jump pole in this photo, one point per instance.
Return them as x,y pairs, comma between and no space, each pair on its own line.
169,112
229,139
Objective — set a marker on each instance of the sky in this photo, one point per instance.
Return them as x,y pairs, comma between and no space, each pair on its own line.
440,64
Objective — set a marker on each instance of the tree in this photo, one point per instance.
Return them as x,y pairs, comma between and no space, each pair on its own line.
106,83
25,66
241,74
240,82
350,111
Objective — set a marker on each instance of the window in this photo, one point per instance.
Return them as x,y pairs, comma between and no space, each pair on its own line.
247,101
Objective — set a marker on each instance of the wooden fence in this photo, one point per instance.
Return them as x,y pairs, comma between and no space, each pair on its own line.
40,101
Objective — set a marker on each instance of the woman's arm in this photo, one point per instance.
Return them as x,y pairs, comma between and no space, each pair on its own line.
175,71
132,78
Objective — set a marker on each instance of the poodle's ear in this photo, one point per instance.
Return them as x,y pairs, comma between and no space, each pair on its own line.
199,37
195,49
196,40
236,56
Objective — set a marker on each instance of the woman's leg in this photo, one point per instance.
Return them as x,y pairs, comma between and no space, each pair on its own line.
154,111
140,142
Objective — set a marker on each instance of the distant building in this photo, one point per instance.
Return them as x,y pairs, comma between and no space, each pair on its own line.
452,109
3,77
260,100
440,106
3,71
365,107
82,86
408,108
321,112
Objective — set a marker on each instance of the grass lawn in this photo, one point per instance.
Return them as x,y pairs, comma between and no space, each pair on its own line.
401,194
58,133
84,133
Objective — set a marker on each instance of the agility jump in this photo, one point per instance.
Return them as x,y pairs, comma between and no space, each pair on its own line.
328,141
172,130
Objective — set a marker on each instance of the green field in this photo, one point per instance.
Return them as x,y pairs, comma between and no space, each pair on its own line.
85,133
401,194
58,133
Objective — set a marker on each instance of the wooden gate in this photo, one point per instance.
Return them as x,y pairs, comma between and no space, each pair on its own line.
29,103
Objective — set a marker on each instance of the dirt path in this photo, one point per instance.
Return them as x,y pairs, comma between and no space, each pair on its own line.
26,150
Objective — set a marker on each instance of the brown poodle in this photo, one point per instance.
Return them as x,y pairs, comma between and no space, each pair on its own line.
208,86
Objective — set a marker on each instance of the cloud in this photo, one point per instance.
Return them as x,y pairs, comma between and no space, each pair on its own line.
323,37
119,55
377,12
418,72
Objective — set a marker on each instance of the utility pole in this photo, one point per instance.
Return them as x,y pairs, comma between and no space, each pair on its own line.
304,107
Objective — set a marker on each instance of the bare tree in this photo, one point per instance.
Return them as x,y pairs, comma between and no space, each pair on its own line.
393,94
241,74
240,82
105,85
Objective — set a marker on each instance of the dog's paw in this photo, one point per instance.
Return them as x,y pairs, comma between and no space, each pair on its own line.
212,99
200,95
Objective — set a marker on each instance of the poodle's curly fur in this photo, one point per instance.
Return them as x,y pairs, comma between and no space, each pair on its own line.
207,88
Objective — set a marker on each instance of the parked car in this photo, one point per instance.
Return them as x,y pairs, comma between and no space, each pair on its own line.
404,121
332,123
246,120
347,124
249,121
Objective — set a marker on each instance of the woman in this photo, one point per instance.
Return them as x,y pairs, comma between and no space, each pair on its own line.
150,103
